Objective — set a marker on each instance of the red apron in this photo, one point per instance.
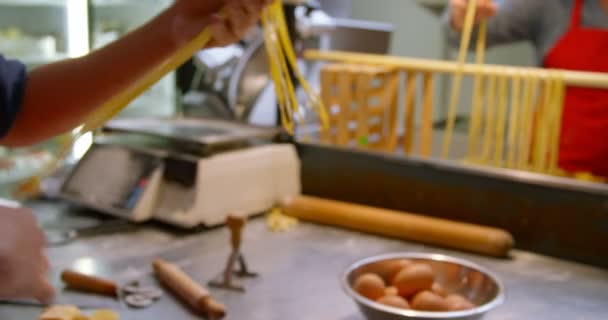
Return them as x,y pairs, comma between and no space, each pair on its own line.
584,134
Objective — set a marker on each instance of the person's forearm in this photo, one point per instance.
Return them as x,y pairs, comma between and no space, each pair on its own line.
60,96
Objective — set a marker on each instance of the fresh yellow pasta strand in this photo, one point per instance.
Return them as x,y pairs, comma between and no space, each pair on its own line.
426,139
514,119
501,117
560,93
526,120
477,108
292,106
279,81
541,144
315,100
274,28
113,106
490,120
457,78
410,111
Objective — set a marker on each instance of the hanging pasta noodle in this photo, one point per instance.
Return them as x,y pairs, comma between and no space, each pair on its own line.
541,118
426,136
530,93
530,124
457,78
282,61
514,119
478,96
501,120
275,15
410,111
559,94
490,119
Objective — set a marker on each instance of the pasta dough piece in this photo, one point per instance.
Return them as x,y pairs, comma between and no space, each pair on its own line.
279,222
104,315
61,313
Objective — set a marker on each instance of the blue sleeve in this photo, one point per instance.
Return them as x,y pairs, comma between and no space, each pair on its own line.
13,76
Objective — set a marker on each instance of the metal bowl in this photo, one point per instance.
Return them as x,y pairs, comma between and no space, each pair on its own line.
454,274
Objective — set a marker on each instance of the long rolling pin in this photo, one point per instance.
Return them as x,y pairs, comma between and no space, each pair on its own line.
401,225
187,289
89,284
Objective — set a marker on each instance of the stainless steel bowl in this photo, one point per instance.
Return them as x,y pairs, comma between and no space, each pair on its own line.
454,274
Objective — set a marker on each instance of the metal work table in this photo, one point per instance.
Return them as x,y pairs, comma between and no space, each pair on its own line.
299,272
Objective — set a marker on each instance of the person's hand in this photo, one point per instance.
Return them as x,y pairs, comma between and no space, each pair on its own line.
229,20
23,264
485,9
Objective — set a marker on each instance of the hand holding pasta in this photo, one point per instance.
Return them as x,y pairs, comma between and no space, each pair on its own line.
485,9
228,20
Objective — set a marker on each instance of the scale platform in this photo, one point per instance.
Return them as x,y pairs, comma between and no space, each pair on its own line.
195,136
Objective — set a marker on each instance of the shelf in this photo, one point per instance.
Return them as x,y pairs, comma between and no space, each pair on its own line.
33,3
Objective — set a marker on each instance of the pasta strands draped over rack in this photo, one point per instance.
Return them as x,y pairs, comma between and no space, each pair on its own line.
515,112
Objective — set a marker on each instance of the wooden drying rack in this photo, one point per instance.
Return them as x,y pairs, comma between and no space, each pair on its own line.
571,78
531,154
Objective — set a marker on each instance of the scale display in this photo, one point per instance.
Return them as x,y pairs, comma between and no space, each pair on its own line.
111,177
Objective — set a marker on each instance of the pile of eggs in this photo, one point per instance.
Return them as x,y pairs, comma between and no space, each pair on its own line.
406,284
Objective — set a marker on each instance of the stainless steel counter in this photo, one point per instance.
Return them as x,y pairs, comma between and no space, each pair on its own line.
299,272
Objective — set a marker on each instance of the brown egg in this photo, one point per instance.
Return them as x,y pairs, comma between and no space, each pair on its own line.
429,301
438,289
457,302
370,286
394,301
391,291
389,269
415,278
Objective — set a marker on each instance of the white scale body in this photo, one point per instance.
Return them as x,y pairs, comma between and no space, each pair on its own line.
182,189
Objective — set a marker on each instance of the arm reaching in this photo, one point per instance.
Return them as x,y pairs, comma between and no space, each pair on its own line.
60,96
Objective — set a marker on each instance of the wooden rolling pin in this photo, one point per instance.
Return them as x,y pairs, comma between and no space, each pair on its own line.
401,225
89,284
188,290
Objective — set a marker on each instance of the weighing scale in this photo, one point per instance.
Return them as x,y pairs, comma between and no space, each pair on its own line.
185,172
